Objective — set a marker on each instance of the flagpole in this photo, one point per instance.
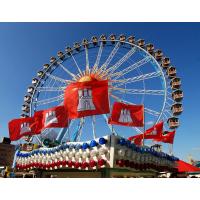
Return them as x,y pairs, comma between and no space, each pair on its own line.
144,128
93,126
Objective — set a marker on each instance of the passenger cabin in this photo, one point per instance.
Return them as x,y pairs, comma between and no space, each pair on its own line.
94,40
171,72
53,60
27,99
112,38
23,115
158,55
61,55
122,39
131,39
165,62
77,46
30,90
150,48
35,81
173,122
103,39
25,108
85,43
69,50
177,109
177,95
141,43
45,66
40,74
175,83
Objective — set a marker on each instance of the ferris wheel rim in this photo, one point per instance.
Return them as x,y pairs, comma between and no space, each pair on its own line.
164,78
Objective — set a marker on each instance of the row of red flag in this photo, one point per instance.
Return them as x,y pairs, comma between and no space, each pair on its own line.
155,133
81,99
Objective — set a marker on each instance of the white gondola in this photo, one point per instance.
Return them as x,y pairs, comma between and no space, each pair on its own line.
85,43
61,55
94,40
165,62
141,43
23,115
103,39
150,48
46,66
112,38
35,81
177,109
122,39
69,50
175,83
25,108
30,90
27,99
177,95
41,74
131,39
53,60
173,122
171,72
158,54
77,46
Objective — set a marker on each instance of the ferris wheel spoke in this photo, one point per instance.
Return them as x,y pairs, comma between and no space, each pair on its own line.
87,67
50,89
138,130
169,98
76,63
121,61
67,133
96,65
131,68
138,91
67,71
81,128
109,59
57,78
49,100
140,78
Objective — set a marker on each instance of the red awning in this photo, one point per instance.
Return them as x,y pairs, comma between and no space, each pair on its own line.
186,167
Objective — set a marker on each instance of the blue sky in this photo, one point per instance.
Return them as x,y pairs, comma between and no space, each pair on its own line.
24,47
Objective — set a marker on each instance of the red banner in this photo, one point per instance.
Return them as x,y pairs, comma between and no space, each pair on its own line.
87,98
55,117
168,137
127,115
22,127
154,132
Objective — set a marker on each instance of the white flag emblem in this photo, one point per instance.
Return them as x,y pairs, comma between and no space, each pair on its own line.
50,117
125,116
85,100
25,128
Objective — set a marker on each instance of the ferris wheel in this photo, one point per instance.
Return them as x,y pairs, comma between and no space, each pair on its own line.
137,74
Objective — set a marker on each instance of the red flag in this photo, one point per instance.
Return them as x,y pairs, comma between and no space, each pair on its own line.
139,136
87,98
168,137
138,140
22,127
55,117
154,132
127,115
